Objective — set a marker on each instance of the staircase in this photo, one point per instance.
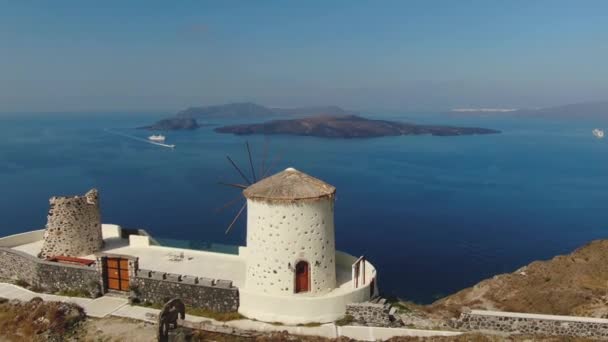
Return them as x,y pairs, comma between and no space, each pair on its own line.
387,307
377,312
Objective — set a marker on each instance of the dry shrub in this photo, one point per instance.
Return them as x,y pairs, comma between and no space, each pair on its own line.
38,320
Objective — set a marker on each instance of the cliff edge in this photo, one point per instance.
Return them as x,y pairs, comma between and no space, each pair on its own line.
573,284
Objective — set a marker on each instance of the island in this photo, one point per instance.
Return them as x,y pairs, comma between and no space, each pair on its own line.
584,110
319,121
187,119
248,110
173,124
238,110
483,110
348,126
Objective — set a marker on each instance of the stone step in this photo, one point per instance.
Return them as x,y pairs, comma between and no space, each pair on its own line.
382,301
117,294
392,311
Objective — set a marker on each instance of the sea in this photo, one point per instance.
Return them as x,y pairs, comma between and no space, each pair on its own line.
433,214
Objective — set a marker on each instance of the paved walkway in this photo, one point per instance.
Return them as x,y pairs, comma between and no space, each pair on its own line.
119,307
99,307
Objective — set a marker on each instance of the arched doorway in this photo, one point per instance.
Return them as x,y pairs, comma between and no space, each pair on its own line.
302,277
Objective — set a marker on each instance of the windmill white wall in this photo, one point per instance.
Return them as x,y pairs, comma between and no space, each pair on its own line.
279,235
290,219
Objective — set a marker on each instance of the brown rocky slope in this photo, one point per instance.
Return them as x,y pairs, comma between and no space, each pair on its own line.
573,284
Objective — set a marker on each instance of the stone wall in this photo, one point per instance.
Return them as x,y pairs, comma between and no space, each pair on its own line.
73,226
375,314
210,294
533,324
49,276
17,265
62,277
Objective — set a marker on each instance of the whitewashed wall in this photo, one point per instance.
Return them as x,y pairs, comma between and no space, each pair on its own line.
280,235
22,238
294,309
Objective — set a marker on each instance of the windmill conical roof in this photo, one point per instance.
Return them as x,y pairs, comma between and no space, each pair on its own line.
287,186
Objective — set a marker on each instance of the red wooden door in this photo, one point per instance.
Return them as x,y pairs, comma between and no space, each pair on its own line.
118,274
302,277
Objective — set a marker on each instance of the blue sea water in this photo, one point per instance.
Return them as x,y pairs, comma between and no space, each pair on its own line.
434,214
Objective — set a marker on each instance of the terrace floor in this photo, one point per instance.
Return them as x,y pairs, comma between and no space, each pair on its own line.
186,261
168,259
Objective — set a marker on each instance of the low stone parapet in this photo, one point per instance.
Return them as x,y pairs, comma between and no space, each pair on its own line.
522,323
46,275
211,294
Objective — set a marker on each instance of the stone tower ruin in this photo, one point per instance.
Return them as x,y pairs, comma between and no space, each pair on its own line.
73,226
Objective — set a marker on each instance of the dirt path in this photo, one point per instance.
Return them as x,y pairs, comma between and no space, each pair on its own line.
114,329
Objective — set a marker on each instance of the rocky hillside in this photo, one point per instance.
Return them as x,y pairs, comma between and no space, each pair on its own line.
37,320
573,284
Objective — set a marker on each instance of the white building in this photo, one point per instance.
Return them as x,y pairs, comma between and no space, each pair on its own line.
290,235
294,274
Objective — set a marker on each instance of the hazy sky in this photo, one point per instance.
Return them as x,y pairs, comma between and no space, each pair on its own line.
114,55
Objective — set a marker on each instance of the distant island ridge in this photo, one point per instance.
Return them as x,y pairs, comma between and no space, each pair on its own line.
319,121
575,110
348,126
188,119
247,110
172,124
484,110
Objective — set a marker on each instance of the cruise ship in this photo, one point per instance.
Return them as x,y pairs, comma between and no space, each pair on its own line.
157,138
598,133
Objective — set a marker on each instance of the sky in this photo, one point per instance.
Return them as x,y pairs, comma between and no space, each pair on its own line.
398,55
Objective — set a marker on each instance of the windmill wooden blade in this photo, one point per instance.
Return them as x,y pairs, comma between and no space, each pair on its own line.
234,185
239,170
262,170
251,162
272,166
229,203
236,218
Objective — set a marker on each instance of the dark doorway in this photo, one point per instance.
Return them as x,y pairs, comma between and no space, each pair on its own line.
372,288
302,277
